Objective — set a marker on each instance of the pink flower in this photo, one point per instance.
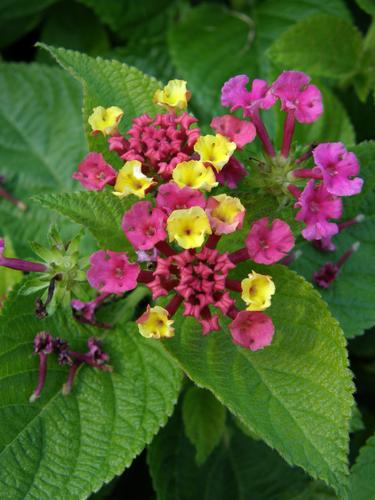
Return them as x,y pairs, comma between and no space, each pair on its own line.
170,197
317,205
225,213
94,172
111,272
119,144
338,166
235,95
268,244
326,275
160,143
144,225
239,131
297,95
232,173
252,329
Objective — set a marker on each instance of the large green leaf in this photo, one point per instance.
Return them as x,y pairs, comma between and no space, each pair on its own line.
108,83
351,296
100,212
239,469
321,45
222,49
362,477
204,421
296,393
67,446
41,140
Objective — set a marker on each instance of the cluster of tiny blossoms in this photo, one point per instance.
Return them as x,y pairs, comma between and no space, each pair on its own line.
178,231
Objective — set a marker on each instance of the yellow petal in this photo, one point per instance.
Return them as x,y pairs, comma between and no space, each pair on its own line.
131,180
173,95
188,227
257,290
214,149
194,174
155,323
105,120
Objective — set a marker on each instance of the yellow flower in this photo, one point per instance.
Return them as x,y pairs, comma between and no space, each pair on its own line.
195,175
173,95
215,149
105,120
154,323
131,180
225,213
257,290
188,227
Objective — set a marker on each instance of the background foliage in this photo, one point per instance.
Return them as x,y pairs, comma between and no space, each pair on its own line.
296,395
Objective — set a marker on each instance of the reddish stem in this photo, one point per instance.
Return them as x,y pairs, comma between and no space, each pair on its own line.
67,387
145,276
42,376
347,254
263,134
234,285
7,196
239,255
174,304
164,248
294,191
307,173
306,155
212,241
22,265
232,312
289,125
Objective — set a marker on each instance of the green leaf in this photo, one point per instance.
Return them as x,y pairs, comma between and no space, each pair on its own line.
362,478
9,277
205,61
350,296
39,106
18,17
204,421
367,5
239,469
356,423
73,26
124,17
68,446
100,212
321,45
108,83
296,393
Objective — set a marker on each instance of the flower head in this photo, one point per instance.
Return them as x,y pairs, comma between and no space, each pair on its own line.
297,95
105,120
160,142
194,174
188,227
317,205
267,243
43,343
232,173
112,272
326,274
215,150
94,172
144,225
239,131
253,330
338,168
171,197
155,323
234,95
131,180
173,95
225,213
257,290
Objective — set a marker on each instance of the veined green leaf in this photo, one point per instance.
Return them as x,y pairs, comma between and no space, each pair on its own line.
362,477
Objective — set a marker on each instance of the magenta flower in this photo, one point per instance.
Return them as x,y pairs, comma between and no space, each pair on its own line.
338,167
160,143
239,131
94,172
267,243
234,95
317,205
252,329
298,96
111,272
171,197
85,311
232,173
118,143
144,225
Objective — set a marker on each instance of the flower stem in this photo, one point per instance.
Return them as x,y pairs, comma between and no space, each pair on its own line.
164,248
174,304
239,255
22,265
263,134
234,285
289,125
212,241
42,376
